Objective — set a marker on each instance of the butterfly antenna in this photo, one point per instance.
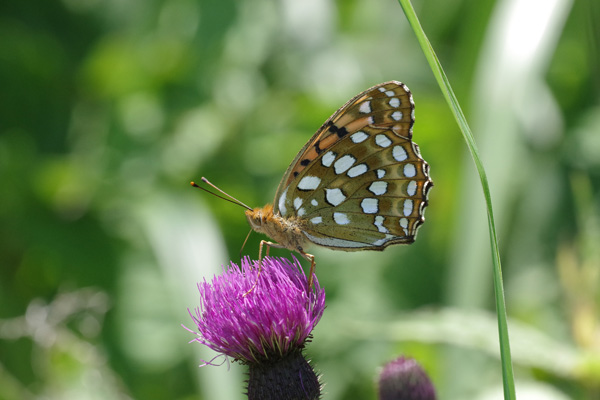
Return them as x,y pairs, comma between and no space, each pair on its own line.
228,197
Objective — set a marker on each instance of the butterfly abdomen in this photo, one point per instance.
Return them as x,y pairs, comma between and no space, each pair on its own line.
287,232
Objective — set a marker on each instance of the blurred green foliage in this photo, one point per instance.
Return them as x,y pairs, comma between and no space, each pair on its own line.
109,108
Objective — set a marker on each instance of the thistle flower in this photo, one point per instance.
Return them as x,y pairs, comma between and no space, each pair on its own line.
404,379
266,327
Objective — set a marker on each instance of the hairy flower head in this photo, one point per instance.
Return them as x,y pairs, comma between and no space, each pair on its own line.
255,321
405,379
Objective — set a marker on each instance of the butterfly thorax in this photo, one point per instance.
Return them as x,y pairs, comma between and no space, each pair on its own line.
285,231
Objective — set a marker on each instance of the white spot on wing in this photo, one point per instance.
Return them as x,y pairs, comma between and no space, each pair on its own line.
335,197
382,141
301,212
404,225
341,218
357,170
314,202
397,115
281,202
316,220
333,242
328,158
378,188
309,183
390,93
408,207
411,189
399,153
380,173
370,206
344,163
359,137
379,224
409,170
381,242
365,107
297,203
394,102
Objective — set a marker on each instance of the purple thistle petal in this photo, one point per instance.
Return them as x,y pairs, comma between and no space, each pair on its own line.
274,319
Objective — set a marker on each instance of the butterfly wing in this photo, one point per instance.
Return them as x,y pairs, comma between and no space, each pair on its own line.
360,182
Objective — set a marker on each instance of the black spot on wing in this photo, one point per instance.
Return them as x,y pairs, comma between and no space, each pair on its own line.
318,149
341,132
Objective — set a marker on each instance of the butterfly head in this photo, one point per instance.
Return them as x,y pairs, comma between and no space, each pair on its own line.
258,218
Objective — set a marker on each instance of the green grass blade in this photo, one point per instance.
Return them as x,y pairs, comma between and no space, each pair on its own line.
506,359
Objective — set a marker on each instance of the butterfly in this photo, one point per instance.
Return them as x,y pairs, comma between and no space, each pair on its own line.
359,183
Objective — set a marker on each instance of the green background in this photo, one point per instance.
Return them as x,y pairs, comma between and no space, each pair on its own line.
108,109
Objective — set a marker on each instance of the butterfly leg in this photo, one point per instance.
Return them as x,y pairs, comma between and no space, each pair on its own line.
260,248
268,245
310,258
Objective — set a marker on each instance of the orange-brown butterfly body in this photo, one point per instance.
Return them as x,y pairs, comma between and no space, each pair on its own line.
287,232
